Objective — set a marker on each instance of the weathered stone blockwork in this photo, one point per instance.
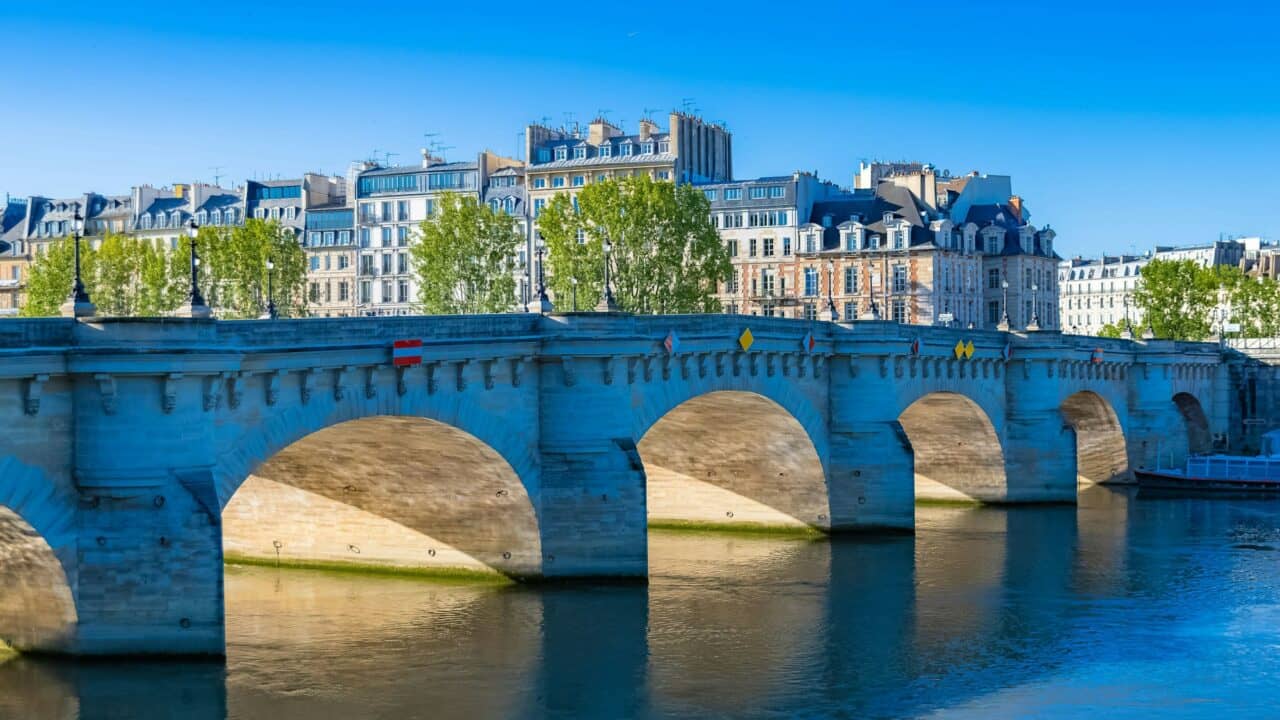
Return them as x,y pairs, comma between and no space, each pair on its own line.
137,451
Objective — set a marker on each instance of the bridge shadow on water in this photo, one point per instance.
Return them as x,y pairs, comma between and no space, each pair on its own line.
980,600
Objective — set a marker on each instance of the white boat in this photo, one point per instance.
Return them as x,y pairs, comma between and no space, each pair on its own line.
1222,473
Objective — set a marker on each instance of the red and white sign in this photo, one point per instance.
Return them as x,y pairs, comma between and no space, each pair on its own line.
406,352
1097,355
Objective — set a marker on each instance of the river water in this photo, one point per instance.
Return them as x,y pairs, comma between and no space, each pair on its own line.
1121,607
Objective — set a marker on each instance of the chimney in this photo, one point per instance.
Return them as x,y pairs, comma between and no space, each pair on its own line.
1015,204
600,130
647,128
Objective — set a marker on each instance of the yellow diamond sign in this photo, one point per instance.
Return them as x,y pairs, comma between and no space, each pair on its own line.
958,349
745,339
968,350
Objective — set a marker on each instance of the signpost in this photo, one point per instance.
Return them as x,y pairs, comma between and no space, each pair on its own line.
406,353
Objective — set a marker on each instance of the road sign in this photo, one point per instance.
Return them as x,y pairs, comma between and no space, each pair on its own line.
406,352
946,317
745,340
1231,327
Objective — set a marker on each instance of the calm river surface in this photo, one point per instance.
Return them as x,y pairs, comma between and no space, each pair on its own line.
1123,607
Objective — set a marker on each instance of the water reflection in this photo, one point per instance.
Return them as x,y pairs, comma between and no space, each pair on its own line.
1111,606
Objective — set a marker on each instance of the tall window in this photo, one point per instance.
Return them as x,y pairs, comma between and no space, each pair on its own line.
386,211
850,312
993,312
810,282
366,292
402,291
850,281
786,247
810,311
766,282
899,278
386,237
899,310
993,279
402,210
811,242
732,245
364,237
402,235
768,247
751,247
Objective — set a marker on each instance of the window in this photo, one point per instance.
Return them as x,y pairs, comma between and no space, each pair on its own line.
343,262
557,181
386,263
768,247
899,310
1027,280
343,290
386,291
579,180
732,245
538,204
402,291
562,153
315,262
313,238
402,236
313,293
329,237
664,174
776,191
786,247
386,237
402,263
731,286
993,279
601,177
899,278
386,211
751,247
364,237
366,292
606,150
709,194
544,155
402,210
733,193
850,281
810,282
811,242
539,182
759,193
646,147
579,153
993,312
664,146
766,283
625,149
810,311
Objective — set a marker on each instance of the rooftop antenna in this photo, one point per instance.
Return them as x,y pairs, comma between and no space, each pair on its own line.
217,174
373,156
648,113
386,158
442,149
686,104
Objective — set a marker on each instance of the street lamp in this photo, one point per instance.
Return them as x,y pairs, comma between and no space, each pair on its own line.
1004,317
607,303
574,281
543,303
1035,308
78,303
831,282
271,294
195,307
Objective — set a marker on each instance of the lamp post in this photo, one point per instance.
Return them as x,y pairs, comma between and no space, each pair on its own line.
574,282
831,297
1035,308
271,294
607,303
543,303
195,307
1127,332
78,303
1004,316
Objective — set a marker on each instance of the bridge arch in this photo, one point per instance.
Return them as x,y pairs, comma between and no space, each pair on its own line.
1101,450
37,561
1199,438
734,457
957,449
414,483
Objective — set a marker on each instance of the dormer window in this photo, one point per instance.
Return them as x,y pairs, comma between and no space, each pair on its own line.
899,239
606,150
216,217
579,153
202,217
562,153
510,205
664,146
146,222
646,148
544,155
625,149
888,217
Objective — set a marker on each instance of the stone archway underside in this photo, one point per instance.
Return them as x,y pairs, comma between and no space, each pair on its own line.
733,458
400,492
1101,453
957,452
36,607
1199,438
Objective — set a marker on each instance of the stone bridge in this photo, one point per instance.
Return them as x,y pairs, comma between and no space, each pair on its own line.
137,454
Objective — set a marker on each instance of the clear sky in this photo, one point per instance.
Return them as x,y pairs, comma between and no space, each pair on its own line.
1123,124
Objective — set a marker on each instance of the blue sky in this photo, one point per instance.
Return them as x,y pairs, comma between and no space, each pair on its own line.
1123,124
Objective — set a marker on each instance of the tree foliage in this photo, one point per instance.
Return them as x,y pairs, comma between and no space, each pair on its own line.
465,258
665,257
1180,300
1110,330
128,276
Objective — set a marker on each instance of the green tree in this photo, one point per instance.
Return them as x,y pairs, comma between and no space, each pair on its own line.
1177,298
233,270
51,276
464,259
1110,330
1255,305
665,257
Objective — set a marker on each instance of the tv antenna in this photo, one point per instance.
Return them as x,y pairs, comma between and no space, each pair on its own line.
217,174
648,113
686,104
386,158
603,114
